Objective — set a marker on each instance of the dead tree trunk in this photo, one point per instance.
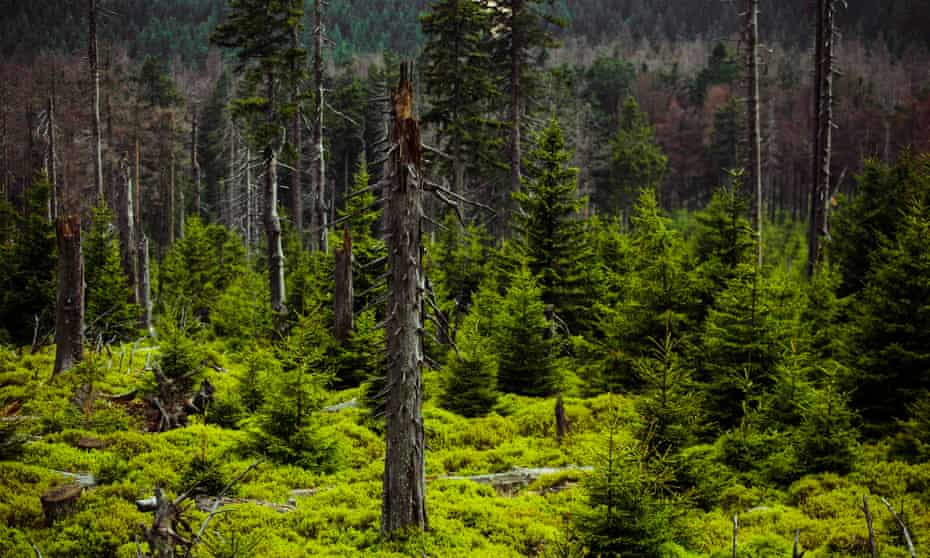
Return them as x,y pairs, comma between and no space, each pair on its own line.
297,200
249,201
195,165
69,308
753,119
516,95
171,179
127,228
95,86
868,522
823,132
561,420
343,298
404,494
318,212
145,286
52,159
272,220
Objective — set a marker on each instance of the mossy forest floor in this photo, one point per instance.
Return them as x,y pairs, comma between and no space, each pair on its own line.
341,517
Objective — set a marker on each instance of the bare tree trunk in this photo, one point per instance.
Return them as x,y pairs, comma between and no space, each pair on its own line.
273,221
297,200
69,308
344,296
145,286
753,121
516,95
404,493
249,203
52,159
195,165
171,180
95,85
823,132
868,522
127,228
318,213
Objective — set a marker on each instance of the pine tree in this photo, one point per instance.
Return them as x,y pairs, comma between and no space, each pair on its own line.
551,235
892,323
470,379
636,161
361,214
261,33
110,313
458,75
525,340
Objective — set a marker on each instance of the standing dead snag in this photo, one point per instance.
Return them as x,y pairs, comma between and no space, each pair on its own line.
404,495
318,211
127,228
753,119
343,298
95,84
69,308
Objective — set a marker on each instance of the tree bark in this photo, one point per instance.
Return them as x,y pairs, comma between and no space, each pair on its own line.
318,211
516,96
404,502
195,165
343,298
754,128
145,286
273,221
873,547
95,85
823,133
297,200
127,228
69,308
171,180
52,159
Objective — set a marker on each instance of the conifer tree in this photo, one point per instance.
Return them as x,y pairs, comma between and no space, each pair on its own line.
458,77
724,241
470,378
551,236
261,33
525,340
110,313
636,161
361,214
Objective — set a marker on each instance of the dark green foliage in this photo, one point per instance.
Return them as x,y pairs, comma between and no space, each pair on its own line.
722,68
27,269
155,84
470,377
361,357
110,315
362,214
200,267
609,81
727,148
625,512
636,161
550,232
526,341
458,75
723,241
827,437
180,356
892,323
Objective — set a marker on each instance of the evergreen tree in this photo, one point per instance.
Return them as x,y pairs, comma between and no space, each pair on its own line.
551,233
470,378
110,315
525,340
728,149
458,77
27,269
723,241
636,161
362,214
891,327
826,438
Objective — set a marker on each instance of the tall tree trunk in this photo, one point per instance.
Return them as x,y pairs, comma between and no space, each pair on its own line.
404,492
95,85
753,120
516,95
69,307
297,200
273,221
249,201
172,172
145,286
318,213
195,165
52,159
127,228
823,133
344,296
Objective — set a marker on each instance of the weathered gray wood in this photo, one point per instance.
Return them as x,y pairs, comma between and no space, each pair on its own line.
129,258
318,215
69,308
95,85
344,295
404,494
903,526
58,502
735,533
873,546
350,404
754,128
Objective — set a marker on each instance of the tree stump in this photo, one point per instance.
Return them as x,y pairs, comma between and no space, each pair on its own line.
58,502
91,443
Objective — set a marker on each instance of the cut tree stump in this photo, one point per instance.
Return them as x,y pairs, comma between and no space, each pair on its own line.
58,502
91,443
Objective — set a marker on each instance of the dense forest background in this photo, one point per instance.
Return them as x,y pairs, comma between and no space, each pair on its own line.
605,334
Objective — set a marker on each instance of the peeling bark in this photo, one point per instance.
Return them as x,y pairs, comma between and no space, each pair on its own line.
69,309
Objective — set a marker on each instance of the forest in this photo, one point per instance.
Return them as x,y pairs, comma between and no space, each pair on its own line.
464,278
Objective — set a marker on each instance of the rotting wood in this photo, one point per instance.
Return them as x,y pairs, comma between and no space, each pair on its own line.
873,547
903,526
58,502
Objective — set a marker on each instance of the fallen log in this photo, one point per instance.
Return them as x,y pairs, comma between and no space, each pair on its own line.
350,404
515,479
